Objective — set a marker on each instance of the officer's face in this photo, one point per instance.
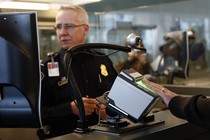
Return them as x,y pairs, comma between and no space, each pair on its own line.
69,30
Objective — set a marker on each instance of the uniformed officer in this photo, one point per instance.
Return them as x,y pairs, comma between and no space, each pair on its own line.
93,74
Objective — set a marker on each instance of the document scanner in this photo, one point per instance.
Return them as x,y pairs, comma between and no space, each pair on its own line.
129,96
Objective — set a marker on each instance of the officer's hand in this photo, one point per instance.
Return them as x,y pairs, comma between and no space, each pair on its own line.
103,112
89,105
74,108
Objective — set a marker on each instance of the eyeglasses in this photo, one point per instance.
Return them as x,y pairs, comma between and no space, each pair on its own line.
68,27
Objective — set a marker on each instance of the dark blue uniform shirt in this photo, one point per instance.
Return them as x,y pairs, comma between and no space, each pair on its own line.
94,75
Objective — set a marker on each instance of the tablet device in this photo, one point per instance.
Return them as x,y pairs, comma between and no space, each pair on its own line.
129,96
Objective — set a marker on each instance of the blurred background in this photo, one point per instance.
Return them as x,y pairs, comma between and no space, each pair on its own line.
111,21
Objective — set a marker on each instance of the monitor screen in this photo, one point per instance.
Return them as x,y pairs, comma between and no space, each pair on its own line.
19,70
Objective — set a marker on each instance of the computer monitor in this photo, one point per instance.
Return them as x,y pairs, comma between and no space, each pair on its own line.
183,57
19,70
174,60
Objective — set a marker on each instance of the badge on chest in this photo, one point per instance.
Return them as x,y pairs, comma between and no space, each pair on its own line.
53,69
104,71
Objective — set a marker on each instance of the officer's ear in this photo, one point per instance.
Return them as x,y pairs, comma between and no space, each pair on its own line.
86,28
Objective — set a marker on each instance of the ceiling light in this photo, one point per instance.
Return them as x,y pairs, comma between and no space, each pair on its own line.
23,5
57,4
42,4
81,2
74,2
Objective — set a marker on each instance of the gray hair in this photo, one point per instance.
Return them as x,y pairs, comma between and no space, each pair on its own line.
82,13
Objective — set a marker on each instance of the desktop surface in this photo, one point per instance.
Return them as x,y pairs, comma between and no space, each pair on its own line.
172,128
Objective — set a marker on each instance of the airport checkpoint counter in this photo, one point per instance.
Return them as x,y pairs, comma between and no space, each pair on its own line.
170,127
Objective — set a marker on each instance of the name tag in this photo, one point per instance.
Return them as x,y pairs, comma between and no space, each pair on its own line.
53,69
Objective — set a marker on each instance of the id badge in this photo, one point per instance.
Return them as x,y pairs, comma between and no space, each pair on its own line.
53,69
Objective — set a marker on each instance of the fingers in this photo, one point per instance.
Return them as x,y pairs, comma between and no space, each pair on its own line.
90,105
102,111
90,100
166,94
156,87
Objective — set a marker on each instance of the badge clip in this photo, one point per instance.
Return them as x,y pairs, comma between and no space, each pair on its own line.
53,68
51,55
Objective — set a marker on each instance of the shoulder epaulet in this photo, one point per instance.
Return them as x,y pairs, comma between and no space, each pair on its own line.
50,56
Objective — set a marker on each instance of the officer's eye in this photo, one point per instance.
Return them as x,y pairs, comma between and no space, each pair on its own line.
67,26
64,26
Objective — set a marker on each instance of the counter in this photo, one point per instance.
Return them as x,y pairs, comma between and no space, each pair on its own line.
172,128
